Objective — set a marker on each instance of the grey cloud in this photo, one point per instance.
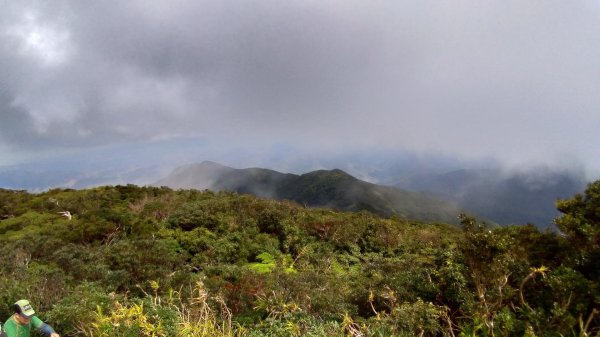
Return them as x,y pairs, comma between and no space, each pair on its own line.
504,78
16,123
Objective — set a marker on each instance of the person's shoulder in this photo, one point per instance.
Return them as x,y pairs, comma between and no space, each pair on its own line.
9,322
36,321
9,325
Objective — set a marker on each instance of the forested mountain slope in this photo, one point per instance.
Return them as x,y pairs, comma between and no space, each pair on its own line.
324,188
133,261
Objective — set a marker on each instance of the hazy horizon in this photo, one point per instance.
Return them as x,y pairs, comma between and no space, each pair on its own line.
285,85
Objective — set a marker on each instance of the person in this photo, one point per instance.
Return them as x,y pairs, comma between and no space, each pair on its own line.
20,324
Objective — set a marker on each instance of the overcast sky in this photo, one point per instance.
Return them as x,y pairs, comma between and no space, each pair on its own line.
514,80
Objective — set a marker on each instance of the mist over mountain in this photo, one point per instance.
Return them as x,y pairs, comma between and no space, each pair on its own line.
37,178
483,186
498,196
322,188
503,197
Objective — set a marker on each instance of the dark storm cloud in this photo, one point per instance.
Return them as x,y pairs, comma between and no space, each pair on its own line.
517,80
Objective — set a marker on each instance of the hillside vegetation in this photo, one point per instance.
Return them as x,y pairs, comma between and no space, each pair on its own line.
149,261
333,189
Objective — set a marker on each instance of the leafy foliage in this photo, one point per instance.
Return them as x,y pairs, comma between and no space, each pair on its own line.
147,261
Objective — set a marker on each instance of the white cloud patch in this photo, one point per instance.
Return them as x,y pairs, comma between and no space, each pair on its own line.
48,43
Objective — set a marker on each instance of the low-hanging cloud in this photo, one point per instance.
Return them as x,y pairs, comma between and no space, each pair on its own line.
512,79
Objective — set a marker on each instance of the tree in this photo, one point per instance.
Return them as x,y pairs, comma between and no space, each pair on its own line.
580,220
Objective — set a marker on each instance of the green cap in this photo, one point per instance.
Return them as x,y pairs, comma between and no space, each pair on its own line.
23,308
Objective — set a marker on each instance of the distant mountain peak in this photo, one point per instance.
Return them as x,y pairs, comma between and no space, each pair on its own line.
322,188
210,164
205,165
330,174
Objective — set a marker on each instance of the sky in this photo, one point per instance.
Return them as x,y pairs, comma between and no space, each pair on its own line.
517,82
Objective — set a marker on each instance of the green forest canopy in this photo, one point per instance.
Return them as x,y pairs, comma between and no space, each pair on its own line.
147,261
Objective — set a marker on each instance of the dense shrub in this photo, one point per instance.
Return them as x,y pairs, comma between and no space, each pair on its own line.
145,261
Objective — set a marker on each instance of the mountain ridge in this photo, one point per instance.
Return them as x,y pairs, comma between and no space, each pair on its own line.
334,189
504,197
